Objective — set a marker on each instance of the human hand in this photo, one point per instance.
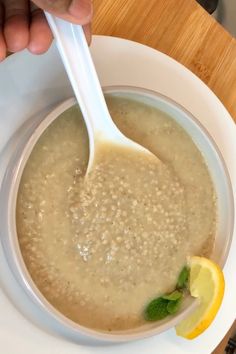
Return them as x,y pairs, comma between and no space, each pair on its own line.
23,23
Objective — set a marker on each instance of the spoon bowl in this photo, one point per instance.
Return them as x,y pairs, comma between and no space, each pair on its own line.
77,60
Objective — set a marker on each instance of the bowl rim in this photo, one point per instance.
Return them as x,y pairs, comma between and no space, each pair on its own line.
19,269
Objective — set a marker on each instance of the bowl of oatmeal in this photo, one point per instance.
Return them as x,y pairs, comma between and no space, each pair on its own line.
91,251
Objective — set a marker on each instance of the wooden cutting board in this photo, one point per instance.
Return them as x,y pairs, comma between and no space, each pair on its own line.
181,29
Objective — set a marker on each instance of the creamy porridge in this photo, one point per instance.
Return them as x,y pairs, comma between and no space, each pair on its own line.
99,248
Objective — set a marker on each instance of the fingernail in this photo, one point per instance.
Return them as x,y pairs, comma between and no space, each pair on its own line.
81,9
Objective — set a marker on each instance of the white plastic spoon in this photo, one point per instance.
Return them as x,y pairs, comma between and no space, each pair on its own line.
76,57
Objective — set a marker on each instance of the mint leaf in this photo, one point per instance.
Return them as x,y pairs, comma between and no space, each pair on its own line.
173,306
175,295
183,278
156,310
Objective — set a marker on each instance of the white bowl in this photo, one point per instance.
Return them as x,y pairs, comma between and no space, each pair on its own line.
33,304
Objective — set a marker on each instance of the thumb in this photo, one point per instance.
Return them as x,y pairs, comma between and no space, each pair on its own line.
75,11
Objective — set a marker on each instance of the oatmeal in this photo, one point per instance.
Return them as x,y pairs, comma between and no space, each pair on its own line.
99,248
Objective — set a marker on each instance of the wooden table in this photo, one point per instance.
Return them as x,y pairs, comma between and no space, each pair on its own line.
181,29
184,31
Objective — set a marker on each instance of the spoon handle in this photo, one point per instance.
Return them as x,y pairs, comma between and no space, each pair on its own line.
75,54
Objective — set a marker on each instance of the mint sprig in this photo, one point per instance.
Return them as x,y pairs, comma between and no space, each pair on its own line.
163,306
168,304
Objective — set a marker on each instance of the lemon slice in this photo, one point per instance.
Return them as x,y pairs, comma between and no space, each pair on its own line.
207,284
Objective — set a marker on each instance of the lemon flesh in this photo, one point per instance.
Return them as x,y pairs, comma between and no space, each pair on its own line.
207,284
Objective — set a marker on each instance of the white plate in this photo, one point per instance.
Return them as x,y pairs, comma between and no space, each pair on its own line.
30,84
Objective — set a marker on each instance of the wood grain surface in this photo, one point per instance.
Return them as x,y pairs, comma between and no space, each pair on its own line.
183,30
